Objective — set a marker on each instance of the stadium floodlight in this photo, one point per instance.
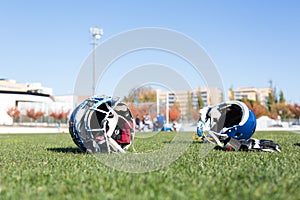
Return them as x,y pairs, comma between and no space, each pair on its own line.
96,33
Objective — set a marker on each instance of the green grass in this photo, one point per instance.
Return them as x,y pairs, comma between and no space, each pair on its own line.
50,166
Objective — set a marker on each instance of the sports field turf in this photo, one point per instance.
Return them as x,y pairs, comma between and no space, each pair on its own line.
50,166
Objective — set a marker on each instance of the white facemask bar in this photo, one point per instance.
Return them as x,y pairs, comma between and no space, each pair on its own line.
213,134
108,138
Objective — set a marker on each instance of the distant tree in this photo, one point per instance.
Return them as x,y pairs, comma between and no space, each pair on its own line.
281,97
128,99
271,99
249,103
145,109
134,109
189,106
140,110
280,109
258,109
141,95
31,113
195,115
147,96
174,113
277,106
295,109
231,94
13,112
256,99
200,100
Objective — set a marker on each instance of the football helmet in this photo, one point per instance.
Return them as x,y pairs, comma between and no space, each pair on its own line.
231,119
102,125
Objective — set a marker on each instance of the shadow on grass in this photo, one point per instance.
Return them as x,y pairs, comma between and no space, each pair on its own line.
177,142
297,144
65,150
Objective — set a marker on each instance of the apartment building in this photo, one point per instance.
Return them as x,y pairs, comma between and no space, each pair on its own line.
210,96
251,93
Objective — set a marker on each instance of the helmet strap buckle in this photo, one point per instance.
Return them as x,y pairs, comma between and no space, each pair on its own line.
232,144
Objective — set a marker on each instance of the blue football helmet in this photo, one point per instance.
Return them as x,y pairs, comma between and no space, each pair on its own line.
231,119
102,124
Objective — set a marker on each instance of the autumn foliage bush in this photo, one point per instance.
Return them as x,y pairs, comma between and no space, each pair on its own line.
33,114
284,110
295,109
174,113
60,115
13,112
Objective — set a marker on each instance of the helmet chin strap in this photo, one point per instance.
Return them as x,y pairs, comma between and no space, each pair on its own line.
115,145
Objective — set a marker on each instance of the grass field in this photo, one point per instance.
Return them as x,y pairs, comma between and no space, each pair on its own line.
50,166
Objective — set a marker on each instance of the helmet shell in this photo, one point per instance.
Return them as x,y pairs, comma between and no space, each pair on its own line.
247,125
102,124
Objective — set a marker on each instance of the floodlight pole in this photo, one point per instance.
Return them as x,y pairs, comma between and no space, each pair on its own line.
157,102
96,33
167,109
94,67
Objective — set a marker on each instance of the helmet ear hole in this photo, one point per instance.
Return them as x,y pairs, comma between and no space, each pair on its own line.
110,115
238,134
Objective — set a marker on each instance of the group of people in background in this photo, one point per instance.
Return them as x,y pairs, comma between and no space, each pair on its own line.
144,123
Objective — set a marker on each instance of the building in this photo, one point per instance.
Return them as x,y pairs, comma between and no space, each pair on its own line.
26,96
251,93
12,86
210,96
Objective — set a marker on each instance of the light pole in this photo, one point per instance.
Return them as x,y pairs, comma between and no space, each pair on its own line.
167,109
157,102
96,33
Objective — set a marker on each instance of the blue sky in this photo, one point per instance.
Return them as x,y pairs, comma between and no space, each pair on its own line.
251,42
